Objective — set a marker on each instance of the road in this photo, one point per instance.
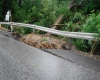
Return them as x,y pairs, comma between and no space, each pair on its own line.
19,61
75,58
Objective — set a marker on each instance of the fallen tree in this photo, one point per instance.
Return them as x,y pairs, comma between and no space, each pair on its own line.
57,22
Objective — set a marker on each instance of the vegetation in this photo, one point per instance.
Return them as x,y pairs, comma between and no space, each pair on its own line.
79,16
92,24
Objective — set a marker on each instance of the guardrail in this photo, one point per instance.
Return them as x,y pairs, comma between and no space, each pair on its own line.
80,35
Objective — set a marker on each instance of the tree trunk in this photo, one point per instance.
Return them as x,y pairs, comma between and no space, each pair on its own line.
58,21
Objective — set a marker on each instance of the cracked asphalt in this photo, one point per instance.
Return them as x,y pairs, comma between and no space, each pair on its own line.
19,61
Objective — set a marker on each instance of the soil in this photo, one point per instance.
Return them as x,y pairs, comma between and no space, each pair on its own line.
43,41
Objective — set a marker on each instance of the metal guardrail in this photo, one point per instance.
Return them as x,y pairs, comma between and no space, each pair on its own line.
80,35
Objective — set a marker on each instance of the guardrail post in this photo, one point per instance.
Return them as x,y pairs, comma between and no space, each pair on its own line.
34,30
70,43
93,47
0,25
11,27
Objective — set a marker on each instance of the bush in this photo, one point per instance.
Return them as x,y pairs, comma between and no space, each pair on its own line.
26,30
83,45
92,24
23,30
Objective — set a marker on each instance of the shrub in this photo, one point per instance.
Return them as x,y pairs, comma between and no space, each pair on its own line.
22,30
26,30
92,24
83,45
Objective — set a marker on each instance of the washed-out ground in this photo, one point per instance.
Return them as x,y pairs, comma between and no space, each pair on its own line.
43,41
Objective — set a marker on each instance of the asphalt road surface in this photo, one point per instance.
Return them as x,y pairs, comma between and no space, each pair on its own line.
75,58
19,61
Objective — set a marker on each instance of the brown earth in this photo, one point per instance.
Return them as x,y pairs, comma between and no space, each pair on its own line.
43,41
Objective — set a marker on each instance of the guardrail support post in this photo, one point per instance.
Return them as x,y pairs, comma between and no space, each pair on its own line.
93,47
34,30
11,27
0,25
70,43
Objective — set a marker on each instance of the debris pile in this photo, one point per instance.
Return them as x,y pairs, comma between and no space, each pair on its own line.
43,41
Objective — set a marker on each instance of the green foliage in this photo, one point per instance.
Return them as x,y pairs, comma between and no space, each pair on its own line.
46,12
83,45
17,29
22,30
42,12
69,26
22,13
62,7
44,39
74,22
92,24
26,30
76,17
91,5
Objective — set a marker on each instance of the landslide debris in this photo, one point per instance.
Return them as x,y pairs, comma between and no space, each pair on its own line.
43,41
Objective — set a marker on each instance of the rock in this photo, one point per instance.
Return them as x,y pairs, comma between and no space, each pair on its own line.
66,47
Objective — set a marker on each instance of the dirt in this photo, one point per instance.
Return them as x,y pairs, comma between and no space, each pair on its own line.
43,41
